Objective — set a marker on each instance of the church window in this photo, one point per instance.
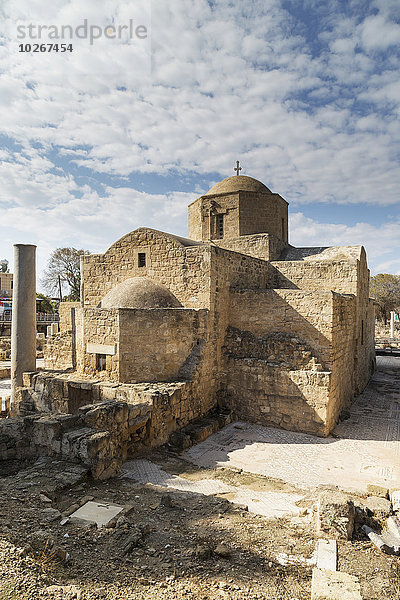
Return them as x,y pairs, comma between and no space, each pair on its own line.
220,226
283,228
362,333
101,360
142,259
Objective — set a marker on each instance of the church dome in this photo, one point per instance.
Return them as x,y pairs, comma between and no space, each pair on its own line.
139,292
238,183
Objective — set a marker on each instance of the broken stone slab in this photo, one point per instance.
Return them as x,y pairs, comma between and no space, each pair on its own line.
389,540
100,513
377,490
335,515
326,554
393,527
378,506
334,585
395,498
119,517
86,523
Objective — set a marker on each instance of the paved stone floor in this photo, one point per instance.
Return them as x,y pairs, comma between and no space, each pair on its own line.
363,449
268,504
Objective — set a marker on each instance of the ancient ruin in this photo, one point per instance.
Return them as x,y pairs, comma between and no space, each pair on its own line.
231,323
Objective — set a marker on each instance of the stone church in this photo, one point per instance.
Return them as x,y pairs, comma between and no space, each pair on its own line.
233,318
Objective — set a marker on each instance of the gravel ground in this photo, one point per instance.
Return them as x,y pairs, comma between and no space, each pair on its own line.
167,546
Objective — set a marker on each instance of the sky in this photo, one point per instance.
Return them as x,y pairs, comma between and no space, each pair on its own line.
130,126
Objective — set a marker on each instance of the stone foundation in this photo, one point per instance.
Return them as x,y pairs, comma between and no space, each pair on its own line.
97,423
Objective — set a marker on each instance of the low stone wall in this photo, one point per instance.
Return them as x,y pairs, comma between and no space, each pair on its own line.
171,405
5,348
94,422
60,436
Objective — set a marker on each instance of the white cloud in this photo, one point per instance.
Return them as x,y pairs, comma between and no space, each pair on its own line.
238,80
377,33
382,242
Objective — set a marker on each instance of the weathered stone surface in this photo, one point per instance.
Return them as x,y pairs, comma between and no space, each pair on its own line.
389,540
330,585
395,499
379,507
326,554
377,490
335,515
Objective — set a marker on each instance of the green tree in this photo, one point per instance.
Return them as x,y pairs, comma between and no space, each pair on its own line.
385,288
46,306
63,270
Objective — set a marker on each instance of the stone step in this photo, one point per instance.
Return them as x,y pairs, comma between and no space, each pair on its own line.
198,430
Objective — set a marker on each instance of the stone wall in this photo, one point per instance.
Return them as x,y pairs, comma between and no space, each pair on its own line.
150,344
338,276
203,215
97,423
243,213
263,393
327,323
6,284
170,406
263,213
343,353
160,344
262,245
59,351
365,327
5,348
305,314
183,269
275,380
67,437
66,311
97,327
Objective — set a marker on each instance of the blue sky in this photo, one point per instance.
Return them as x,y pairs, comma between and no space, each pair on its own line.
126,132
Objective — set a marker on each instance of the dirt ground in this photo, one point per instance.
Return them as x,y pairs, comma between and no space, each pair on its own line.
170,545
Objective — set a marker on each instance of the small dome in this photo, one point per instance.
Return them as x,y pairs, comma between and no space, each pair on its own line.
139,292
240,183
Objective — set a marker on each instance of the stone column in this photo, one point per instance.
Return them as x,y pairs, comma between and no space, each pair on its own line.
23,329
